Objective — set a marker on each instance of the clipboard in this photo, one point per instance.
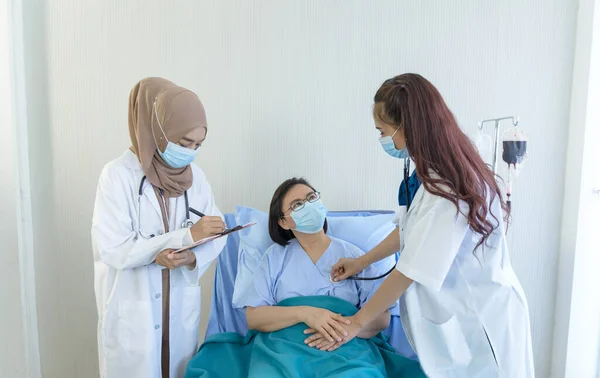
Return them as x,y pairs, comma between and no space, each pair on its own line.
211,238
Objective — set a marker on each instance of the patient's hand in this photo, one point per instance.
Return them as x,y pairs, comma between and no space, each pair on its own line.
327,323
316,340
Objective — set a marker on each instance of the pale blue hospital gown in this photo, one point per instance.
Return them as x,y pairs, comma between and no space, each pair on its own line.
286,272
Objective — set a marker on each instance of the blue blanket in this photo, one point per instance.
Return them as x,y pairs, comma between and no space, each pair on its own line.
284,354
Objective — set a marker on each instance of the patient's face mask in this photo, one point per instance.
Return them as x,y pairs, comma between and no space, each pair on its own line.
175,156
310,218
387,143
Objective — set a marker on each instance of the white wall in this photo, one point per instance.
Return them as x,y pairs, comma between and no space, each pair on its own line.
12,347
288,88
577,321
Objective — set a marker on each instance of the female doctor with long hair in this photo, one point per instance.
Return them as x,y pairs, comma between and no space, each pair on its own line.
462,306
148,204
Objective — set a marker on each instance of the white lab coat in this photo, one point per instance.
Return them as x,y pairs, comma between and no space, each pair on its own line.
465,314
128,283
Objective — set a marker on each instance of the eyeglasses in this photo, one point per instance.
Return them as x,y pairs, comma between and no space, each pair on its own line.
299,204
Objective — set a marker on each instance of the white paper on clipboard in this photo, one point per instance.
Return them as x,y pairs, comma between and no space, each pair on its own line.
211,238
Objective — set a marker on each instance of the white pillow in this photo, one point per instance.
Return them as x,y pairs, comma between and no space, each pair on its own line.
365,232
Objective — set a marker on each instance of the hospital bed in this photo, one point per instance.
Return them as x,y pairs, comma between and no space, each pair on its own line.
224,318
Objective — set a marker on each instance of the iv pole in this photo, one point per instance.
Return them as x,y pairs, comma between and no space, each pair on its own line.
515,122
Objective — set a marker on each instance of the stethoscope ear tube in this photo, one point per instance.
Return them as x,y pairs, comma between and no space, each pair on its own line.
406,177
141,186
187,222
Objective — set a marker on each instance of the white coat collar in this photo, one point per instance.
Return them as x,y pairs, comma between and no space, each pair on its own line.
131,161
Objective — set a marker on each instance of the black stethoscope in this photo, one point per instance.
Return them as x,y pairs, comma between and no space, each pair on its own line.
408,203
185,224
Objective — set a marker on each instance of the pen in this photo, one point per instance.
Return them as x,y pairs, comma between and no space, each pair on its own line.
196,212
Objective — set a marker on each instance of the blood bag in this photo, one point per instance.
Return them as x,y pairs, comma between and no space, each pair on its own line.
514,146
514,150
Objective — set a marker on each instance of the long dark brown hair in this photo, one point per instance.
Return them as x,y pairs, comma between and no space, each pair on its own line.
437,144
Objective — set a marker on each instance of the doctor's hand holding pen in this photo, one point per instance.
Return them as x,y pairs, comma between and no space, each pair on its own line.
206,227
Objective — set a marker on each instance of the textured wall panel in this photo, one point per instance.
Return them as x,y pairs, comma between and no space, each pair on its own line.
13,361
288,88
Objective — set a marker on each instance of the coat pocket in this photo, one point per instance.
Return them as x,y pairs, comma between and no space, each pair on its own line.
190,309
442,346
135,328
489,343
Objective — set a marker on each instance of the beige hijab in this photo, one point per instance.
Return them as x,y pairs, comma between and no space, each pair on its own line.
179,111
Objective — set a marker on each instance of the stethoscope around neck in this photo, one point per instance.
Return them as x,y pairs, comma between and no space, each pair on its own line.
408,203
185,224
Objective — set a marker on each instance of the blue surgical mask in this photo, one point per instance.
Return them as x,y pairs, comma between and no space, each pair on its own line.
310,219
175,156
387,143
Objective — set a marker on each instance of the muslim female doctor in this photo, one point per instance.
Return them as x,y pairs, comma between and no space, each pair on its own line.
148,298
462,306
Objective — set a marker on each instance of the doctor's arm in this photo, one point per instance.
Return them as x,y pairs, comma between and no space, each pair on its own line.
363,322
205,254
390,290
430,249
381,322
345,268
115,241
366,290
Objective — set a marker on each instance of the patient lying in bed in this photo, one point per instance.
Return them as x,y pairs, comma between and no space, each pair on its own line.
299,264
292,295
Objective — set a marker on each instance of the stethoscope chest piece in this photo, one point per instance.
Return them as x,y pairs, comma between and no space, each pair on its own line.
187,223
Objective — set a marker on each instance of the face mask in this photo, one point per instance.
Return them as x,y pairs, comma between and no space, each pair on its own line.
388,146
310,219
175,156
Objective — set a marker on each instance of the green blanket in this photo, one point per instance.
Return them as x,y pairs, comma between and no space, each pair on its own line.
284,354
